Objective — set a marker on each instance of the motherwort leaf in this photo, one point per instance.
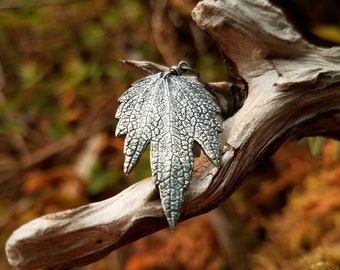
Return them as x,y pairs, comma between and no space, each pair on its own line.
169,111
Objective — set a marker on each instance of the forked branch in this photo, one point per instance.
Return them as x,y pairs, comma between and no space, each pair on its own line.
294,91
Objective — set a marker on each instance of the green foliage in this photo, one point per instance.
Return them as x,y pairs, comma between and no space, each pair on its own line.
56,48
102,179
30,74
209,63
92,36
10,128
327,31
315,145
336,150
143,169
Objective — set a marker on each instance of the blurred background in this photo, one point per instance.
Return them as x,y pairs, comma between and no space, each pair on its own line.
60,78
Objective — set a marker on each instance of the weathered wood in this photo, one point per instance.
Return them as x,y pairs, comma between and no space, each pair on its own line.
294,91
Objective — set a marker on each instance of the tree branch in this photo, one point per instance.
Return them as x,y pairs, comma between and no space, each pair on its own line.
294,91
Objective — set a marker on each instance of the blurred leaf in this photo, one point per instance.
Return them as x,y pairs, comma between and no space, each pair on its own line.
336,150
126,12
327,31
208,64
10,128
93,35
30,74
143,169
76,71
102,179
59,127
315,145
41,179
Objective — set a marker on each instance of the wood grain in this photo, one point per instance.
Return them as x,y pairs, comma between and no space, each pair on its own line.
294,91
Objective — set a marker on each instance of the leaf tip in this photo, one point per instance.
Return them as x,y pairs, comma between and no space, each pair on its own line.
172,199
127,167
172,221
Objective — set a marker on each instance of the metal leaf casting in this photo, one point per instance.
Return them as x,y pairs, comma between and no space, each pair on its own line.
170,111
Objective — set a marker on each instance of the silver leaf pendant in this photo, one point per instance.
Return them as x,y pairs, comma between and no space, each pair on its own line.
170,111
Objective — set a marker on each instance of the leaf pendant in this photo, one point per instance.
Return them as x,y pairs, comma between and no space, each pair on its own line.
170,111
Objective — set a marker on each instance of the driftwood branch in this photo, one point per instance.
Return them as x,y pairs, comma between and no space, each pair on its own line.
294,91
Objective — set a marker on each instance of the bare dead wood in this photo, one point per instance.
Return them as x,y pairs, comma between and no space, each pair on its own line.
294,91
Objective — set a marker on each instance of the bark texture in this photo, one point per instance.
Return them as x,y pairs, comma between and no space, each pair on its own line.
294,91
